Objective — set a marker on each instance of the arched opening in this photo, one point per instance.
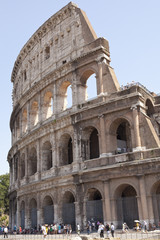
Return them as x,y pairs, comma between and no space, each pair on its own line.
32,162
150,109
47,156
94,207
22,215
127,207
94,144
22,166
66,150
88,87
33,213
34,113
24,121
65,96
91,87
90,143
68,210
47,52
48,210
156,202
18,127
47,109
123,135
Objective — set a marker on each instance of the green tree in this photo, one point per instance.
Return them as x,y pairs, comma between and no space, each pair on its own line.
4,186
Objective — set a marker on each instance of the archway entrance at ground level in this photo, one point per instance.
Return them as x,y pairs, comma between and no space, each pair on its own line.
22,215
68,209
48,210
33,213
127,208
156,205
94,208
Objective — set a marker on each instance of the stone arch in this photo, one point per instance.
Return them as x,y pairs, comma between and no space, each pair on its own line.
66,149
90,143
120,134
68,209
34,113
46,156
48,210
47,108
150,108
24,121
32,163
22,166
22,214
94,205
155,191
62,99
83,92
126,204
33,213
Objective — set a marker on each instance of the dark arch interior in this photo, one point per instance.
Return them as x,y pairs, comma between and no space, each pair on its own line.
94,144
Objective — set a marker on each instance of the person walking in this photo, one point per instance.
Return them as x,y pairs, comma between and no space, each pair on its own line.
112,229
5,232
107,229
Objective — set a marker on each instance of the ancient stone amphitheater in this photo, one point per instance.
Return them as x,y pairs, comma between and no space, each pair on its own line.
95,159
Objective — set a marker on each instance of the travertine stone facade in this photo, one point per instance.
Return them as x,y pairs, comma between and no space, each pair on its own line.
96,160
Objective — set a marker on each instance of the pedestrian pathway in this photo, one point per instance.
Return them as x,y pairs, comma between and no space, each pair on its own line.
154,235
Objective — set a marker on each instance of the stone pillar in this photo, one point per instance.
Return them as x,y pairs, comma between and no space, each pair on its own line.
26,162
102,136
100,72
150,209
56,215
54,100
113,211
143,198
77,214
75,146
85,212
39,162
18,213
27,214
40,110
107,204
28,117
54,149
136,129
139,207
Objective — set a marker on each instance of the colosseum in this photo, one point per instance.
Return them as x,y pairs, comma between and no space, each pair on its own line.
96,159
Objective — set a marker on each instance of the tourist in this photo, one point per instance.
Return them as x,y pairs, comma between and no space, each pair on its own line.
5,232
112,229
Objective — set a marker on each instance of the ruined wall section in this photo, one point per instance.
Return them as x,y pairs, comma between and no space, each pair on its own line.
59,40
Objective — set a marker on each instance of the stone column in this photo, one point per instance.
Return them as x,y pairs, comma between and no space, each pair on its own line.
113,211
100,72
84,212
54,149
27,214
77,213
26,162
75,163
40,110
143,198
28,117
150,209
39,211
18,213
54,100
107,204
136,129
139,207
56,215
39,162
102,136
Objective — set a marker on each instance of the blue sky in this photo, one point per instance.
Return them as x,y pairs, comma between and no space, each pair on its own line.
131,27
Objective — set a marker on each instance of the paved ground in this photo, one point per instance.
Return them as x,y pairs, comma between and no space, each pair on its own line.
118,236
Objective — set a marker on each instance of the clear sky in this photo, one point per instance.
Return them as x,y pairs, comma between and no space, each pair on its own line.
131,26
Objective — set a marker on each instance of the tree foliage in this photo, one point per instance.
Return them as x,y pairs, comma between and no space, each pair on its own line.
4,200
